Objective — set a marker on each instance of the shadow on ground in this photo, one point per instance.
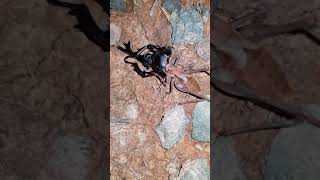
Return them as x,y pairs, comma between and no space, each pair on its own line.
53,95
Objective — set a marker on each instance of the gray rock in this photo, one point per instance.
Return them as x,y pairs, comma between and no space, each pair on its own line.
201,121
115,34
172,5
294,154
187,26
119,5
203,49
195,170
204,11
172,127
70,159
226,162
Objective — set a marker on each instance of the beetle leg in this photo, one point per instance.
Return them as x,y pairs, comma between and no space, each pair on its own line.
159,77
140,51
147,69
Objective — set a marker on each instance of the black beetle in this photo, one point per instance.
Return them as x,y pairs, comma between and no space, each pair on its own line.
154,59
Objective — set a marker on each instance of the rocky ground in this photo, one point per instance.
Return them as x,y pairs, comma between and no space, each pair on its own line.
151,137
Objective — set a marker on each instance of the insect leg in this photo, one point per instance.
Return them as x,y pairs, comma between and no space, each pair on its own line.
180,87
159,77
204,69
170,81
176,60
140,51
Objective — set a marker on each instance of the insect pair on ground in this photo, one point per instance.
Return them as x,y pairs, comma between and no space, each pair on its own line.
157,61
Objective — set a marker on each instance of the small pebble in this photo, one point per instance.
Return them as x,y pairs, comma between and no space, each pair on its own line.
132,111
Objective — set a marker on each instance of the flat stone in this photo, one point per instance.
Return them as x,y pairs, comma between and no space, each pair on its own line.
187,26
195,170
119,5
172,5
172,127
201,122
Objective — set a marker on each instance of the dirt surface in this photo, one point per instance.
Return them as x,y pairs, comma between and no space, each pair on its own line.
298,58
53,80
137,104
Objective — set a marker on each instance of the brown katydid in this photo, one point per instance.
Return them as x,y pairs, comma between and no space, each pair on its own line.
181,78
253,73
